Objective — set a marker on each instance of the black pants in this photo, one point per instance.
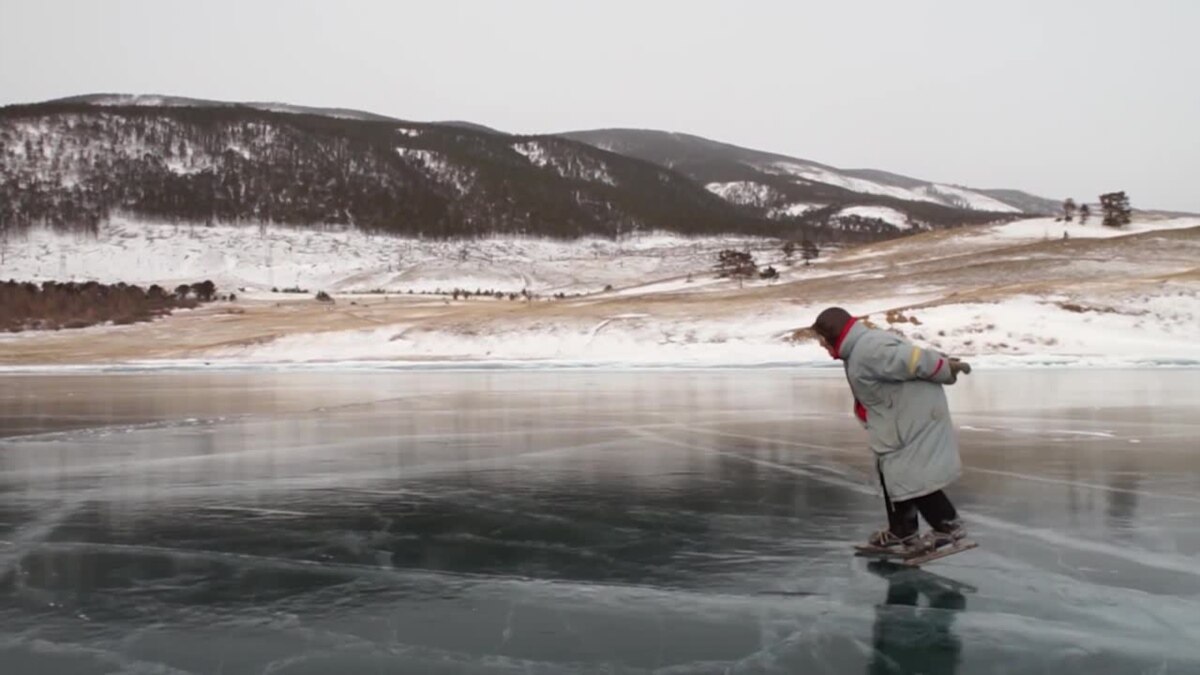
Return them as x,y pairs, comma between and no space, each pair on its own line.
935,507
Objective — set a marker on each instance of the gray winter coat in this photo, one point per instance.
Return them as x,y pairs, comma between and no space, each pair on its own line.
906,414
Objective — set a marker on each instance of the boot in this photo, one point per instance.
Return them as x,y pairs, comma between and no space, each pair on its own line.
884,539
947,533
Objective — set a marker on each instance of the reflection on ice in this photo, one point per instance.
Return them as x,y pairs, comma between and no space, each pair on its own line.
909,637
585,522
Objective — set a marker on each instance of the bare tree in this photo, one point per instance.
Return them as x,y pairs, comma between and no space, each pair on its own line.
1069,210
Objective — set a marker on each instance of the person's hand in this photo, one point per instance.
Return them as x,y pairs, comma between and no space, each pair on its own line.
959,366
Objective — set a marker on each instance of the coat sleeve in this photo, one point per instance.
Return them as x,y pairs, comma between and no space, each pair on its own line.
900,360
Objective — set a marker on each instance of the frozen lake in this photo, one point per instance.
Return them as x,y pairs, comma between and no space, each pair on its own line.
583,522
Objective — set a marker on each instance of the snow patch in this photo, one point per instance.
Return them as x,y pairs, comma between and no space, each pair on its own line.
967,199
888,215
937,193
1036,229
828,177
239,150
532,151
348,260
630,339
436,165
185,167
567,164
793,210
1130,328
1021,332
745,193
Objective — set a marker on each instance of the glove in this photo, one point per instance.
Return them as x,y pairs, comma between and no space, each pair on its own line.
959,366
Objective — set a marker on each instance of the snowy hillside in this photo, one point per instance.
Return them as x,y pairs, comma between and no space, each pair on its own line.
75,165
946,195
77,162
787,187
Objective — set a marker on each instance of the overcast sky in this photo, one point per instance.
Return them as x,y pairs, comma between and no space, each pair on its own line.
1055,97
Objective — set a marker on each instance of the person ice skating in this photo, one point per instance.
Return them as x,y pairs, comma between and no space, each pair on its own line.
899,397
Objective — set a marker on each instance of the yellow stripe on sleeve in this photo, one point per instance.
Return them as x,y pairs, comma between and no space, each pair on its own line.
914,360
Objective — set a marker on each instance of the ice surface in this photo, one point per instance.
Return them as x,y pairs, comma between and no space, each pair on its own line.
581,523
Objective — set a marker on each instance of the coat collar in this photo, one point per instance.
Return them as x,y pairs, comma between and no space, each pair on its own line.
849,337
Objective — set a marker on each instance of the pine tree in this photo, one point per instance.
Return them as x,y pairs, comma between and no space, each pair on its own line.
205,290
1085,212
809,251
789,249
738,265
1117,212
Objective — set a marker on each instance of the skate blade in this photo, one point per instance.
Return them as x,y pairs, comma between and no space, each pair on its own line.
913,559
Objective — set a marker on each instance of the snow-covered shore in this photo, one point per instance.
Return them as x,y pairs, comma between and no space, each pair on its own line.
1014,295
